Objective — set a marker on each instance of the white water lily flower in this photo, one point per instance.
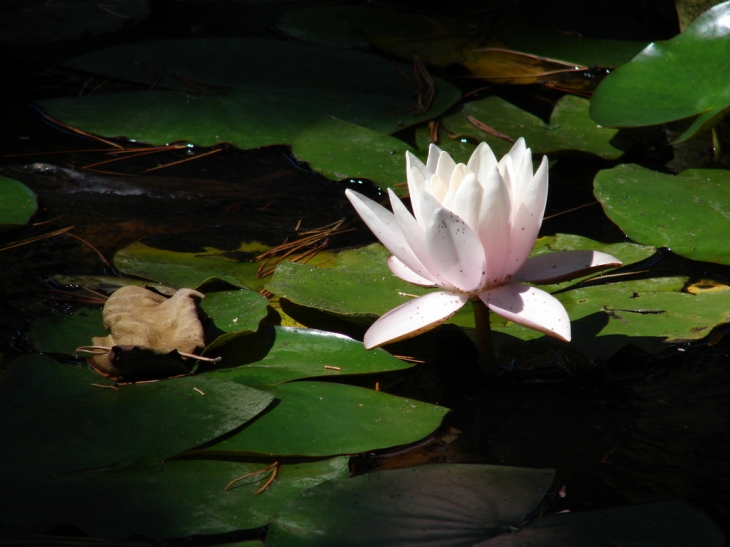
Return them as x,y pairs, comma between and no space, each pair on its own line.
471,233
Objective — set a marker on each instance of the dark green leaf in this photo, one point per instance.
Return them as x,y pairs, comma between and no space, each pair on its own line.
324,419
672,80
17,203
430,506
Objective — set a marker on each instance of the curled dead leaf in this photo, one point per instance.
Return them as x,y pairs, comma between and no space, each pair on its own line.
146,320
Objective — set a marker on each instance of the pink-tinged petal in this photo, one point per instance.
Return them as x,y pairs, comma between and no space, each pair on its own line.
415,236
468,200
416,186
425,204
406,274
494,225
527,219
385,227
412,162
482,161
455,251
413,318
564,265
434,152
530,307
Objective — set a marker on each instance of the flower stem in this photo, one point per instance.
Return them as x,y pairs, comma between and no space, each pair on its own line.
487,357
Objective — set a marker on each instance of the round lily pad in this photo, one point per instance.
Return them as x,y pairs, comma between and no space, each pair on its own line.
17,203
672,80
690,215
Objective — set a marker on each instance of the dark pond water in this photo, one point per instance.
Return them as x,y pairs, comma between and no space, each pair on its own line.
633,429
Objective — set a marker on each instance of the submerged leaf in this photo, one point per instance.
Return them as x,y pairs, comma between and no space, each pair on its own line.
433,505
17,203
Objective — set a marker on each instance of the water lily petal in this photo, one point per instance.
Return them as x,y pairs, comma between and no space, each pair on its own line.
530,307
425,204
413,318
406,274
468,200
445,168
416,184
482,161
494,225
434,153
564,265
456,251
527,219
385,227
415,236
437,187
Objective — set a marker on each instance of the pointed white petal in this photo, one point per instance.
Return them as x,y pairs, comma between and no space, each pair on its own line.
468,200
385,227
448,201
444,168
457,175
425,204
518,150
494,226
406,274
415,236
482,161
413,318
455,251
416,186
527,218
530,307
434,152
437,187
564,265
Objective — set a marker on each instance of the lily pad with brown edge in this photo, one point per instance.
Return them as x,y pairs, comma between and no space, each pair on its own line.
443,505
672,80
317,419
340,150
61,421
690,215
224,90
38,21
274,355
180,498
18,204
570,129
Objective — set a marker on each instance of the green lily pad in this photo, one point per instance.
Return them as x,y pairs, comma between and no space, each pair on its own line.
344,26
436,505
235,311
280,354
180,498
37,21
340,150
17,203
672,80
326,419
570,127
661,524
164,259
246,102
62,333
59,419
360,288
690,214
